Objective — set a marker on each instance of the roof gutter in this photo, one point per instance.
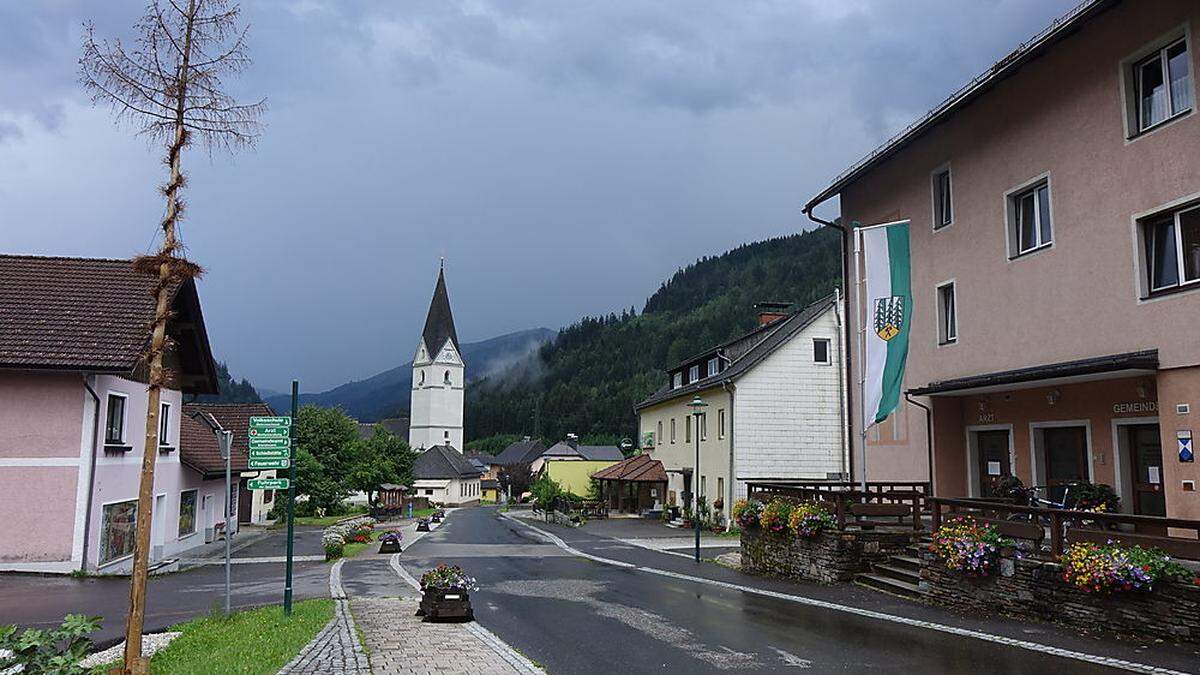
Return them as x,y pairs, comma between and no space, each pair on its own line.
846,331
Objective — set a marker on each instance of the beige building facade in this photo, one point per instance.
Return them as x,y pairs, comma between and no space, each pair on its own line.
1054,210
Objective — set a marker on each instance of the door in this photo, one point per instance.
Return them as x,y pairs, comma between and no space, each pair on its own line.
158,528
994,460
1145,459
1066,458
245,502
206,507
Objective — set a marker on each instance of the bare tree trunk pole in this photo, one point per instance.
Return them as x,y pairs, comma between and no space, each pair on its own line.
134,663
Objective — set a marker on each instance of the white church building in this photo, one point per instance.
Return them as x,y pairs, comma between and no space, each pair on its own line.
440,473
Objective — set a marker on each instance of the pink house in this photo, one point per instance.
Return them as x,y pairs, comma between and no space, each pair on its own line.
73,413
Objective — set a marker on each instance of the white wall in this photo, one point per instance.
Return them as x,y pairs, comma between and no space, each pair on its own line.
454,493
787,419
436,411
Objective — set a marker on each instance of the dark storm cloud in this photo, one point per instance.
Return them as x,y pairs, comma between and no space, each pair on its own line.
565,156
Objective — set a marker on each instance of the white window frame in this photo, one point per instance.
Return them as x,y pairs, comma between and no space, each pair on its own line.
936,218
672,431
694,373
1012,213
687,429
1148,248
720,423
195,514
828,351
659,436
1138,71
703,428
1129,76
714,366
947,327
676,380
164,424
124,417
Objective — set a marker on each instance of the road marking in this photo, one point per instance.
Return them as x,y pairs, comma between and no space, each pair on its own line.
904,620
247,561
792,660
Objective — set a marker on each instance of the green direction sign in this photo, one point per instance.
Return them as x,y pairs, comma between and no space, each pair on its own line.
269,443
268,483
269,432
258,422
255,463
269,454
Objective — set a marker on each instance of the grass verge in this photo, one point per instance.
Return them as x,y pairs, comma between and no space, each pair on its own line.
251,642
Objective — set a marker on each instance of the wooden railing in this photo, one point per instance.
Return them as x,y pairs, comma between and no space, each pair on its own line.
849,504
1062,526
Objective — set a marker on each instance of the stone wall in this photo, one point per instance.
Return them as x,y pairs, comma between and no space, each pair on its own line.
1034,589
830,557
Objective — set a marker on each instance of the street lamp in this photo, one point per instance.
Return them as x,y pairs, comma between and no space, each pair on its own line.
697,407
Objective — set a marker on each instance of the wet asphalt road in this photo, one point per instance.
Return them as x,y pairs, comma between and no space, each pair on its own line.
573,615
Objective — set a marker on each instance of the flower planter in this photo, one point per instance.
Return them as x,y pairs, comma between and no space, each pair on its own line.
423,525
445,604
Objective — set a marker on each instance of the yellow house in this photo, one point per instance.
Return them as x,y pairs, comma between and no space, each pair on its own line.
490,490
571,465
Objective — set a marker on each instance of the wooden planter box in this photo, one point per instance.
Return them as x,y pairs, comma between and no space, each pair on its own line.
440,604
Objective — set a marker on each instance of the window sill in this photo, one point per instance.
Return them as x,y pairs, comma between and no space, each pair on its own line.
1032,251
1155,127
943,227
118,448
947,343
1173,290
164,449
186,536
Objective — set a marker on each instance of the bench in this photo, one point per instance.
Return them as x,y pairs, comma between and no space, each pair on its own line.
865,511
1016,529
1188,549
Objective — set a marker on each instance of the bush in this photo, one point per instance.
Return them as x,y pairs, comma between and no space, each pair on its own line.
448,577
775,515
54,652
334,539
746,512
807,520
1103,569
545,490
966,546
1091,497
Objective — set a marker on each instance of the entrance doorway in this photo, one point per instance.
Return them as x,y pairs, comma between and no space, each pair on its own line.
1145,459
1066,452
994,460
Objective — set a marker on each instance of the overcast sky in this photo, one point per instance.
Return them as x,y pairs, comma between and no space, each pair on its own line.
565,157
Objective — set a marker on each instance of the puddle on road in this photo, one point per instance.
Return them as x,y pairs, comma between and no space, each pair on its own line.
647,623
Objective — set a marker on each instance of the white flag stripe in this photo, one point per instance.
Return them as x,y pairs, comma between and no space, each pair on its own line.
878,282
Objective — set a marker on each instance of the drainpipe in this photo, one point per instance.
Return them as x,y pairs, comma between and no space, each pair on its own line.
87,518
928,436
728,387
846,337
843,406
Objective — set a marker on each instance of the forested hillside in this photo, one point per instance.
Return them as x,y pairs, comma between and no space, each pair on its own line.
587,380
232,391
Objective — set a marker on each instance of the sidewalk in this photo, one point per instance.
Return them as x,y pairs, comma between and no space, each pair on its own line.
396,640
644,533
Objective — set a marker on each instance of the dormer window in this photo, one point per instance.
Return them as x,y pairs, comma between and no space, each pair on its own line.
676,380
693,373
714,366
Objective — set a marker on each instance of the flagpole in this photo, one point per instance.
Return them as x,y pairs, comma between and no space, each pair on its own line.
859,269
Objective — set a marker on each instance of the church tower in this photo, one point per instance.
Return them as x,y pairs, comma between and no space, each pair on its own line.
436,413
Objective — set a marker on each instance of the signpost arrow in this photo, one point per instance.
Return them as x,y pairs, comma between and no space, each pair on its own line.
269,444
255,464
269,454
268,483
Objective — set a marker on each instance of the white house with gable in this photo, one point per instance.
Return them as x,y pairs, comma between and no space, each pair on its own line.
775,401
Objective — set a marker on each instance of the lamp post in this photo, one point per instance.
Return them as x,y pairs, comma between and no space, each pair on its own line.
697,407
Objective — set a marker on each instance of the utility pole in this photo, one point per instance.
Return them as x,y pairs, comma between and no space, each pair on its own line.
291,516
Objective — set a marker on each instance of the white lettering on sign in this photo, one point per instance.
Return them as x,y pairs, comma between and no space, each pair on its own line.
987,418
1136,407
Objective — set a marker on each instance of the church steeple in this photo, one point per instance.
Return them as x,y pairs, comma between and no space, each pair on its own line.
439,322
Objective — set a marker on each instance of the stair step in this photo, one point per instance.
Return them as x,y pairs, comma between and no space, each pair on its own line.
888,584
898,573
906,562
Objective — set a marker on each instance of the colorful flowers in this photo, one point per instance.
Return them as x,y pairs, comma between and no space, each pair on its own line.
807,520
968,547
775,515
746,512
334,538
448,577
1093,568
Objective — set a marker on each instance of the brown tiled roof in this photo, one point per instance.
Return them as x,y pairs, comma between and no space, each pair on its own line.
93,314
636,469
198,444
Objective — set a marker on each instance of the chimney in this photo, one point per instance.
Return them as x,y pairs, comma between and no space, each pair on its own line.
573,440
771,311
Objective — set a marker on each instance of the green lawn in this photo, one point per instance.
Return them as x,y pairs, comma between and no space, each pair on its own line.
353,548
249,643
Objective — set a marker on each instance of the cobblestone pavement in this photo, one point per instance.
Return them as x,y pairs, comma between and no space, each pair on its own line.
335,650
399,642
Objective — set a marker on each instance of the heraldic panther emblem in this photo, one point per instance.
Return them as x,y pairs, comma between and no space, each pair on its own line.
889,316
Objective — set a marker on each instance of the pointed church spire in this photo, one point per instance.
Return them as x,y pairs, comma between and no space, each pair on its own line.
439,323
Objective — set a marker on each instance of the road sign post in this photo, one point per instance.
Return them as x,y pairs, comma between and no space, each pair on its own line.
273,446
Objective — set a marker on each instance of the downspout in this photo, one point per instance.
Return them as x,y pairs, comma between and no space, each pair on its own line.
87,517
727,386
843,406
846,336
928,436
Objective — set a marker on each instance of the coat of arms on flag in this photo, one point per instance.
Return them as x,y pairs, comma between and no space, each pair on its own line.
889,316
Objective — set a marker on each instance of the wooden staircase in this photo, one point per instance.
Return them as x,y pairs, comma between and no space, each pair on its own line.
900,574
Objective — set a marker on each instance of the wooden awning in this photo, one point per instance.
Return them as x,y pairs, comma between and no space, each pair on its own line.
636,469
